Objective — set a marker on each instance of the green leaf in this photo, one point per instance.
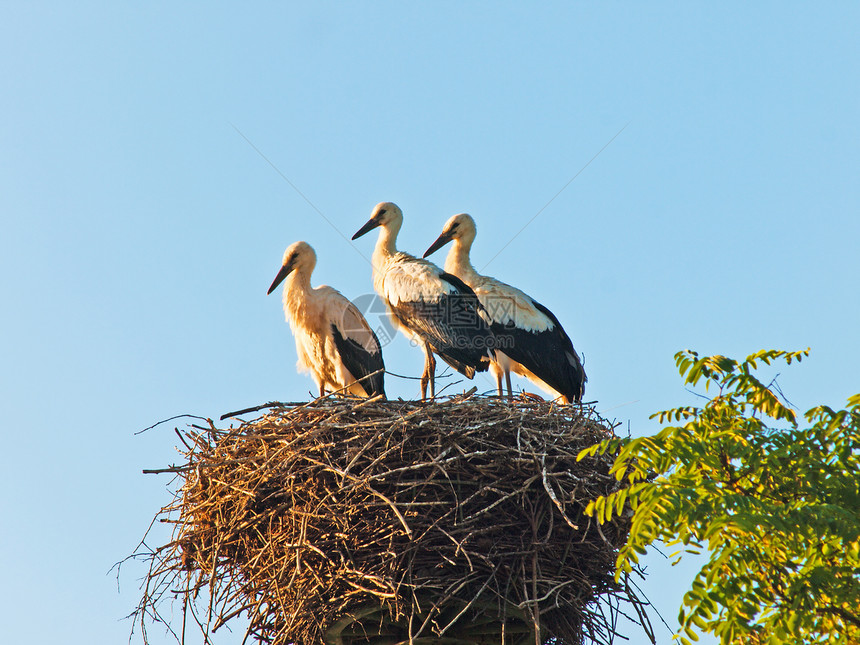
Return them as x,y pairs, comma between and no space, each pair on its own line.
775,506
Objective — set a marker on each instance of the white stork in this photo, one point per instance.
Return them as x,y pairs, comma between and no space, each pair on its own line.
530,340
334,342
430,306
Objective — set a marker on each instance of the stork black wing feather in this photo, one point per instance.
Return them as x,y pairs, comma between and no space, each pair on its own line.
548,354
451,326
361,363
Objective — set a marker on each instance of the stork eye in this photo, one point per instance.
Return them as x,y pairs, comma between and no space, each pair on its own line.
454,226
381,213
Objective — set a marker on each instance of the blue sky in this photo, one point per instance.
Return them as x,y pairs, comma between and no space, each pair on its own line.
141,229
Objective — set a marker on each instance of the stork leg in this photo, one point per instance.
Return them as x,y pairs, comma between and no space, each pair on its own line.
424,379
508,383
425,375
499,383
431,366
429,375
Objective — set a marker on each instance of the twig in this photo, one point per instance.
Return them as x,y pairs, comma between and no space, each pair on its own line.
178,416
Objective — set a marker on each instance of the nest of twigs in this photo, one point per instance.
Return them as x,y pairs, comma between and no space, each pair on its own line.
380,522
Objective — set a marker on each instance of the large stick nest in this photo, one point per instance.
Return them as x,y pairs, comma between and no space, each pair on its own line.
458,521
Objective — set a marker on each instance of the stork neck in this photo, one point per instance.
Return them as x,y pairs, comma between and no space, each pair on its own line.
459,263
297,281
298,296
386,243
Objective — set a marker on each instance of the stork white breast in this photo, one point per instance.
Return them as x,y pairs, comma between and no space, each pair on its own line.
408,279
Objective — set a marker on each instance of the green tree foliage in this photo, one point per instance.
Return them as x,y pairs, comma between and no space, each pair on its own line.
774,502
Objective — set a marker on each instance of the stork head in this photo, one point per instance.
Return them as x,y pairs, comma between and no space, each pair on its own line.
460,227
299,256
384,214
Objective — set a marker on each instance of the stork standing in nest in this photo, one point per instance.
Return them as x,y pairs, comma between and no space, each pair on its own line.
334,342
531,341
432,307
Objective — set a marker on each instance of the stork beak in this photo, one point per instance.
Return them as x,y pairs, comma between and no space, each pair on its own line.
371,224
283,273
441,241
